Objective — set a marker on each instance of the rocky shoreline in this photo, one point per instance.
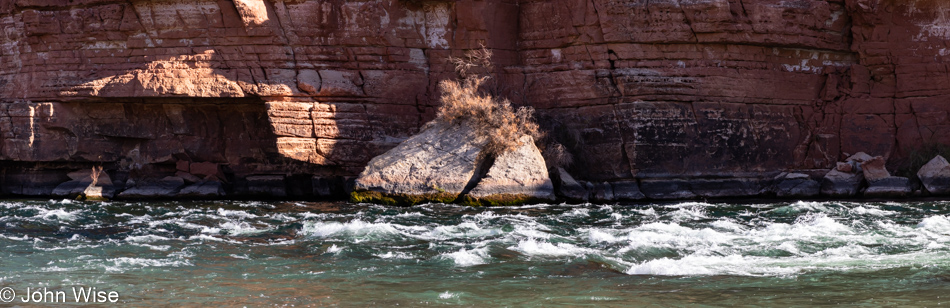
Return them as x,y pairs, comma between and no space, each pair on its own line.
860,177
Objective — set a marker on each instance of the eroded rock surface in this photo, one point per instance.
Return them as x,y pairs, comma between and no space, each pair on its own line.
892,186
515,177
656,89
841,184
435,165
797,185
874,169
935,176
446,162
569,188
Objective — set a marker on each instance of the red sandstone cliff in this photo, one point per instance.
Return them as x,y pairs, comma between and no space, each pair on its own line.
294,89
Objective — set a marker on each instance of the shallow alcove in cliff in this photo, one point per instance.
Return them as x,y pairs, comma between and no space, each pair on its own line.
148,147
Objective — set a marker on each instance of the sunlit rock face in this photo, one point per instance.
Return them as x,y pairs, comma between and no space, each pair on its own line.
309,91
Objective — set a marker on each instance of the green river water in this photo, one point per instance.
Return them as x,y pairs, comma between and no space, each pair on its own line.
242,253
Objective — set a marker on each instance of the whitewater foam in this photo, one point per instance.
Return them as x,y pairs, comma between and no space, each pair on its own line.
468,257
533,247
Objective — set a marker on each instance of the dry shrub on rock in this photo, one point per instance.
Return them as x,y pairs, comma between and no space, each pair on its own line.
492,117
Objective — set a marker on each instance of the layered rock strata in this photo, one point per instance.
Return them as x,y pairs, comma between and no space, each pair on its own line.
293,98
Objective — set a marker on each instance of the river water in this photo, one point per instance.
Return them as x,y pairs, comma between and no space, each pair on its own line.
320,254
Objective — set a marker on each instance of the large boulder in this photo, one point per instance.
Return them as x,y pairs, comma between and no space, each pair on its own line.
874,169
516,176
893,186
602,192
570,189
70,189
841,184
795,185
449,162
435,165
80,184
935,176
99,193
859,157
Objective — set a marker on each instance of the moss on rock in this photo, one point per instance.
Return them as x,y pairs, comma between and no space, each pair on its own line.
400,199
500,200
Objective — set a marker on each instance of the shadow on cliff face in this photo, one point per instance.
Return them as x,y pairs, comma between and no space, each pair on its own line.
232,103
280,98
138,140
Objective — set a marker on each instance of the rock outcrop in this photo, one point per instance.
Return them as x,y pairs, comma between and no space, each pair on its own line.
434,166
569,188
660,92
847,178
447,162
874,169
841,184
892,186
515,177
935,176
796,185
83,185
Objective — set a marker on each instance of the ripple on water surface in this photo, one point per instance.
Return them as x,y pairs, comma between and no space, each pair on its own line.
337,253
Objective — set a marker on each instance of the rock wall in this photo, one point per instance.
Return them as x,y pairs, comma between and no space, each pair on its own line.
307,91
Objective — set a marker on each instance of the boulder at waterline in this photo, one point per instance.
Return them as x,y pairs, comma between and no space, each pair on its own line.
81,182
515,177
448,162
570,189
892,186
85,175
602,192
99,193
70,189
935,176
841,184
844,167
795,185
435,165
